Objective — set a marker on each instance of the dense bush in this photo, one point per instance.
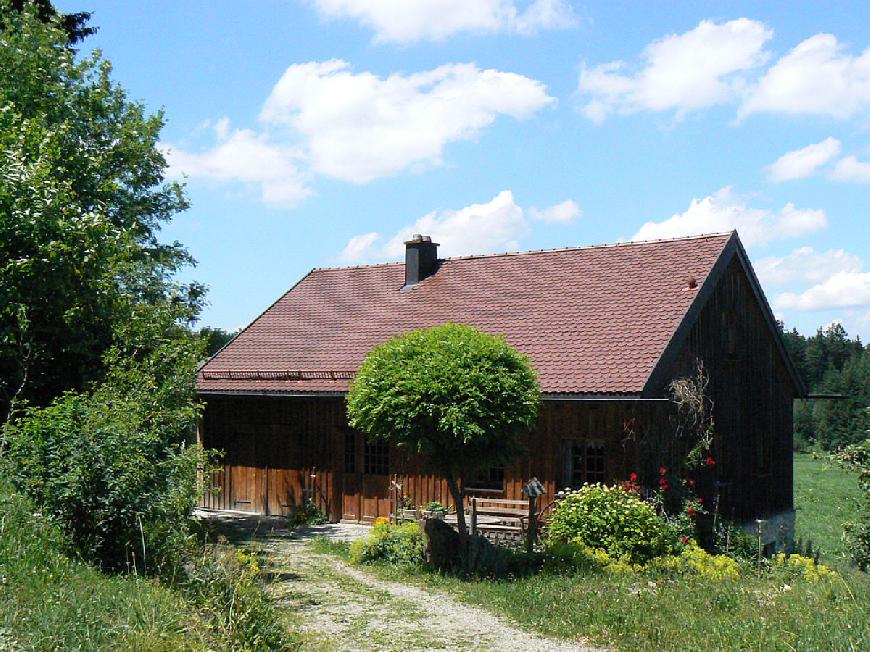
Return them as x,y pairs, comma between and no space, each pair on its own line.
112,465
613,520
394,544
307,514
857,530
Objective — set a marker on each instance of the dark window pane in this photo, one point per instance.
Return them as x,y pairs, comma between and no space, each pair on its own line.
350,452
595,463
491,479
377,458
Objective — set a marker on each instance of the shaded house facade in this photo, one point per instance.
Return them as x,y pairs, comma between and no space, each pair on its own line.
607,329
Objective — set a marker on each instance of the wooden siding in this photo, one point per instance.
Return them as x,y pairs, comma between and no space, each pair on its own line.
752,394
273,446
276,452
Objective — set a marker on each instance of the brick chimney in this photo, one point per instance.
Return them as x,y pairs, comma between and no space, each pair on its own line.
421,258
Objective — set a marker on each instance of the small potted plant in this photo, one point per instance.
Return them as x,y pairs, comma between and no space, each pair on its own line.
434,510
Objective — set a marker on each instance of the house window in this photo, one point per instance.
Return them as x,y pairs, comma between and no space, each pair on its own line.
584,461
491,479
350,452
376,458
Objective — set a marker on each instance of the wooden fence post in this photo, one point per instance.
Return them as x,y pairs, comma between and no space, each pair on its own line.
473,516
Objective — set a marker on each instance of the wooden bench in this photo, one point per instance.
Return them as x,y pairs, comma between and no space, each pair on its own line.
498,515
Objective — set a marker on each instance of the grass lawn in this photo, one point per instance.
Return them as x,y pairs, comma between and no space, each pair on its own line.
679,612
825,496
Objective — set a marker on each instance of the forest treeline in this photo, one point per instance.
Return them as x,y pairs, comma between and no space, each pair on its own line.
831,364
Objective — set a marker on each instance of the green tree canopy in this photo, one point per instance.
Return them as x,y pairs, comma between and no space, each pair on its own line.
458,397
82,201
75,24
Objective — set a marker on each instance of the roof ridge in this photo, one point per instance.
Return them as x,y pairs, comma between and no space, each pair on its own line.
608,245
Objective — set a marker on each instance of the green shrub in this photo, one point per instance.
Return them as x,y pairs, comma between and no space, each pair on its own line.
111,465
308,514
394,544
227,586
613,520
856,531
735,542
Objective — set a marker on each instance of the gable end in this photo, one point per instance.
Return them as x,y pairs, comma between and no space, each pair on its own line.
661,373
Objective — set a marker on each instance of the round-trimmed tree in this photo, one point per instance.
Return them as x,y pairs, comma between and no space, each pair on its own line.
458,397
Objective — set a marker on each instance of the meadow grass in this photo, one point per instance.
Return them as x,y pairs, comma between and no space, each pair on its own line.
649,611
50,602
825,496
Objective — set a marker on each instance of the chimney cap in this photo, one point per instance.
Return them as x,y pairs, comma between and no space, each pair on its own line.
419,239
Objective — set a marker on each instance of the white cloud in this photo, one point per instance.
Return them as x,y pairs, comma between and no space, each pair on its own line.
360,247
497,225
680,72
723,211
806,264
407,21
816,78
321,118
244,156
358,126
802,163
842,290
565,211
851,169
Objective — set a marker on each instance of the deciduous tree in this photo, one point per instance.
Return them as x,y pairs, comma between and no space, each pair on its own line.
82,201
456,396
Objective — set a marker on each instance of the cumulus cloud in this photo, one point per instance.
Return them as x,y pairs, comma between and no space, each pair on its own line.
851,169
245,156
322,118
358,126
680,72
803,163
408,21
494,226
817,77
806,264
723,211
564,212
842,290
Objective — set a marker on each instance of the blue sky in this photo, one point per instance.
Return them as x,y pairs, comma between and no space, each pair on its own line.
322,132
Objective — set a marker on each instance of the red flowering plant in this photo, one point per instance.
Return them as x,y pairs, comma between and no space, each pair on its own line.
631,484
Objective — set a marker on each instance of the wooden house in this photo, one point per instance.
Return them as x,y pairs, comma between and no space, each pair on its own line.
607,329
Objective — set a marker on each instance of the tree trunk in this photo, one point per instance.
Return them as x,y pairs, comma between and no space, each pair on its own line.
459,499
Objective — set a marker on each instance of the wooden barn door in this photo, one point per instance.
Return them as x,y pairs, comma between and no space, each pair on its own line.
366,479
247,480
351,501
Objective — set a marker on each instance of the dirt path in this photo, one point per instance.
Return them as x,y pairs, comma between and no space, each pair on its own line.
340,607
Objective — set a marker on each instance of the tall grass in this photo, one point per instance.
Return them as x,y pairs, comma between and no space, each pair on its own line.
49,602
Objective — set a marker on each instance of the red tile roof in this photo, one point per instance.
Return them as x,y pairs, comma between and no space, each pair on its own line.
592,319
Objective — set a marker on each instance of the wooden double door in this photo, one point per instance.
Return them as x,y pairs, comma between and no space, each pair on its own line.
261,478
365,478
